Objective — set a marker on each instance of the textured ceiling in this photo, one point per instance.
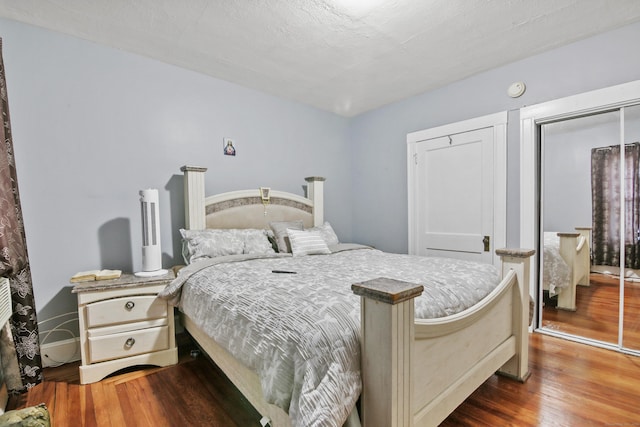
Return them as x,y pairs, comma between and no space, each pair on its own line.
344,56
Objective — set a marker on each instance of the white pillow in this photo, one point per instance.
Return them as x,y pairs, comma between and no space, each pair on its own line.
327,233
307,243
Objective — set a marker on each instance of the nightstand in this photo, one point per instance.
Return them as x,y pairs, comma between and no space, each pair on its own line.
123,323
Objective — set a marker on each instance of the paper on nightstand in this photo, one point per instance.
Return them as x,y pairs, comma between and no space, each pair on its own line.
90,275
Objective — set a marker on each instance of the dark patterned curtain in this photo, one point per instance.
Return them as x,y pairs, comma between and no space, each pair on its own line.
606,198
14,264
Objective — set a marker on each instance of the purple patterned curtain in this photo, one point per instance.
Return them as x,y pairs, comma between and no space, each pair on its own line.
606,198
14,264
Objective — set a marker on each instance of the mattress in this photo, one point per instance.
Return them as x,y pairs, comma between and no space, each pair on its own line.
299,328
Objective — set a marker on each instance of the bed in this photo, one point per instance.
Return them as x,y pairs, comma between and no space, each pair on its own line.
566,264
410,372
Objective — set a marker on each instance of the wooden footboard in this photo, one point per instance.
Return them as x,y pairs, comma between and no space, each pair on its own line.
583,256
415,373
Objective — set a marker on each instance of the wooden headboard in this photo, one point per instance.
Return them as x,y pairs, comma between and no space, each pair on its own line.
244,208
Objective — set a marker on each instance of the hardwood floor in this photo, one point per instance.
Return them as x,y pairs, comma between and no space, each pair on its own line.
596,316
192,393
571,384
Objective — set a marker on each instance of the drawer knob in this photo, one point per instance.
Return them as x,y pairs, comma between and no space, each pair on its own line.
130,342
129,305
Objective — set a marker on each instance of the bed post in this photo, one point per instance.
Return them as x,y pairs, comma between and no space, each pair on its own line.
387,337
519,261
315,192
568,252
194,197
585,255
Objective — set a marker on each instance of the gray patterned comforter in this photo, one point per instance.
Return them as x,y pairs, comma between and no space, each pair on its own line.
300,332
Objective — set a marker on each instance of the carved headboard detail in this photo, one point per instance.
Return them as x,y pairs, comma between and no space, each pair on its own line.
245,208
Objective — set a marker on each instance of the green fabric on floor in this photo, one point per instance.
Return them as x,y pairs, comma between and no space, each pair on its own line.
34,416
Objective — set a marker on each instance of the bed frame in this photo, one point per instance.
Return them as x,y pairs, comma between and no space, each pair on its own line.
575,251
414,372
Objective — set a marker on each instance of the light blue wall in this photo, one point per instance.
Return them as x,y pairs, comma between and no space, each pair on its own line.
378,138
566,168
93,125
566,164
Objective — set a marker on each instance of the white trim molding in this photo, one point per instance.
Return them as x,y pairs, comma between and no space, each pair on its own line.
59,352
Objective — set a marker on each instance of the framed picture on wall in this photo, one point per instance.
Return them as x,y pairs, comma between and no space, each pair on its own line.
229,147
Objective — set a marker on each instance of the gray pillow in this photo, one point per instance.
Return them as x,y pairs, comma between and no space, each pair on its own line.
257,242
199,244
280,232
327,233
211,243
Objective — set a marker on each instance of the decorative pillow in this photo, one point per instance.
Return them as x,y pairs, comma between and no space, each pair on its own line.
327,233
198,244
280,232
307,243
257,242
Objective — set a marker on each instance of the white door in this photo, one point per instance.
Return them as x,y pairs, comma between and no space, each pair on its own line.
454,196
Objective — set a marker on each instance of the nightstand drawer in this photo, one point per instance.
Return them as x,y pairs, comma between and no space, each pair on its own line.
128,344
122,310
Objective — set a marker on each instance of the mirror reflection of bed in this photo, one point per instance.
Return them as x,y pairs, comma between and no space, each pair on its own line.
584,204
567,264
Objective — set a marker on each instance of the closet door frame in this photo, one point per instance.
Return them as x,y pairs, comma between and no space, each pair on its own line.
531,118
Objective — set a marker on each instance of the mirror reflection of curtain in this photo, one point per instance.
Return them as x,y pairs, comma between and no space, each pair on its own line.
14,265
606,197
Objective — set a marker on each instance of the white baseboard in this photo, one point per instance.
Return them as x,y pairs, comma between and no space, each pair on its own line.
630,274
59,352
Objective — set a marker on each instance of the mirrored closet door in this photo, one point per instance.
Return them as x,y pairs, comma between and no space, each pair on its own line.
590,227
630,292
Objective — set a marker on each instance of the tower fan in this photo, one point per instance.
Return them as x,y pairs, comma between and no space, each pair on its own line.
151,250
